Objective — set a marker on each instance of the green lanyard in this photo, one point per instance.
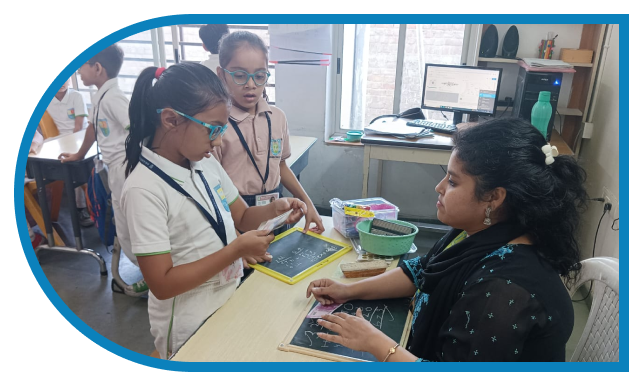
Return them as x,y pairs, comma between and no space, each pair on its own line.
457,239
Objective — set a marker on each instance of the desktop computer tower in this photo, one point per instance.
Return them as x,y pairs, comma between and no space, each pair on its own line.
527,91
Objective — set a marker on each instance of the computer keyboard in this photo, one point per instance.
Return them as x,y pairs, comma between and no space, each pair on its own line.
439,127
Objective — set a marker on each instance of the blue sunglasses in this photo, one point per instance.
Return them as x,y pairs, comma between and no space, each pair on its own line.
215,131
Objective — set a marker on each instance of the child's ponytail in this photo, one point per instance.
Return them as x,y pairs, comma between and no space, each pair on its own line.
186,87
142,117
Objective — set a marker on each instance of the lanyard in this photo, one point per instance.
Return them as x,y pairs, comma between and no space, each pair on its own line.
219,226
244,144
95,124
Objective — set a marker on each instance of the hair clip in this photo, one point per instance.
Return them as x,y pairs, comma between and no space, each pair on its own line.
551,152
159,72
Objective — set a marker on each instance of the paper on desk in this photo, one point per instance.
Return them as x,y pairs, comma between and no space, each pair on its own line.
275,223
386,128
548,63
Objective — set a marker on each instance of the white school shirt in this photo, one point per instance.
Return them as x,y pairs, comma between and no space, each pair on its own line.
113,121
63,112
212,62
159,219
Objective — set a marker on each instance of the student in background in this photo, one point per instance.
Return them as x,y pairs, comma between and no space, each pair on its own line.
181,208
110,116
210,35
255,150
67,109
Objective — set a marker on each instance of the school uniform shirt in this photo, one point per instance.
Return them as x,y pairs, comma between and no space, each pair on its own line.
211,62
159,219
112,127
255,130
63,112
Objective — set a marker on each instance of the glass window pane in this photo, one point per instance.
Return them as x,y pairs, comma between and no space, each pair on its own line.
428,43
382,60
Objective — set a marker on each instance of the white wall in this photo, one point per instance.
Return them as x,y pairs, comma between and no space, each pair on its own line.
599,156
336,171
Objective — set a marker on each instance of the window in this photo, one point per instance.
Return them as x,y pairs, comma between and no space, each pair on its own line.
370,84
142,50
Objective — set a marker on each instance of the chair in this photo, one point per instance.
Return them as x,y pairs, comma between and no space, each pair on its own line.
599,342
47,126
48,130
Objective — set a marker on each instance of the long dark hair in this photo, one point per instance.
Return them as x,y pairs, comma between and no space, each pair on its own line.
546,200
231,42
186,87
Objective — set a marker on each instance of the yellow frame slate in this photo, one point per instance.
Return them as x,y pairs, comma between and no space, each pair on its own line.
312,269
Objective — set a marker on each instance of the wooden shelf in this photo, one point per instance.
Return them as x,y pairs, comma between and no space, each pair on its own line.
498,60
569,112
515,61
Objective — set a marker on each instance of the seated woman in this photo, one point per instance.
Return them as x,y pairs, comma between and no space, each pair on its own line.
490,289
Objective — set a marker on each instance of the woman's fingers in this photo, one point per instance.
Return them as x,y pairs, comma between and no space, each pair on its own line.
330,326
330,337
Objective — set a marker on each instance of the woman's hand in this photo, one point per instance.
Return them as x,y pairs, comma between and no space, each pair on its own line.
328,291
354,332
285,204
312,216
252,247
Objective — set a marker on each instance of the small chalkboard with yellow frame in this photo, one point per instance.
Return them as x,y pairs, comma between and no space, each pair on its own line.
297,255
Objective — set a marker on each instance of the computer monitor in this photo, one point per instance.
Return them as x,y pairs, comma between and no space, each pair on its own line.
461,89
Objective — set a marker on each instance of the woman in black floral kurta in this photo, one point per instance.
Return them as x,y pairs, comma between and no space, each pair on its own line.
490,289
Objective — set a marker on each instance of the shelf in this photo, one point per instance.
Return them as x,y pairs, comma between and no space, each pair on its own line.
498,60
570,112
515,61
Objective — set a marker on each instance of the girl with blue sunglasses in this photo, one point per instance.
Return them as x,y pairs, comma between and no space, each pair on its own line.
180,208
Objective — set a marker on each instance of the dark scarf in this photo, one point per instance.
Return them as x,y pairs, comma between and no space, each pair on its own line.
445,272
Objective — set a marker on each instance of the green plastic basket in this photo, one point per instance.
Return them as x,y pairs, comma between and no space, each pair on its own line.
385,245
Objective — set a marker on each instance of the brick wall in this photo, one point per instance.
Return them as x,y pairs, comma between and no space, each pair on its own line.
440,43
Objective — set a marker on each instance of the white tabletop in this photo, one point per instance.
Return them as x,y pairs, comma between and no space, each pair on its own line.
70,143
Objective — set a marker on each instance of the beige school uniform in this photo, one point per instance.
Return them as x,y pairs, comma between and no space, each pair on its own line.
255,130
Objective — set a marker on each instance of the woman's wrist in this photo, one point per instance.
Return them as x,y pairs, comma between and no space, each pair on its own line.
381,345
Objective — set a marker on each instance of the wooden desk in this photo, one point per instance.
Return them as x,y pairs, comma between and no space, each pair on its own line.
431,151
46,168
300,150
257,318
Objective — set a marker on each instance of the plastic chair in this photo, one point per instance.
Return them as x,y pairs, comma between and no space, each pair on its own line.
599,342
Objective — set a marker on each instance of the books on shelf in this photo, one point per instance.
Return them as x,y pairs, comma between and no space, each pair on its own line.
546,63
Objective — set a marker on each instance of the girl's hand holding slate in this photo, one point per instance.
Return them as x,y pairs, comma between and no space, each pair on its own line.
252,247
328,291
354,332
285,204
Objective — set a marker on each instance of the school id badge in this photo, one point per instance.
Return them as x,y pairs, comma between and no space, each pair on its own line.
266,199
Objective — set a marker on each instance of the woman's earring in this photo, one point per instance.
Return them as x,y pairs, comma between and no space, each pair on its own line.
487,219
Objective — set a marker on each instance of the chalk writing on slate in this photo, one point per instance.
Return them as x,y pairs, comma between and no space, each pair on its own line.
388,315
296,252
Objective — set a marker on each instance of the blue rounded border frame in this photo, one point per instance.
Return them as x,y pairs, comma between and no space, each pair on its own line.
291,19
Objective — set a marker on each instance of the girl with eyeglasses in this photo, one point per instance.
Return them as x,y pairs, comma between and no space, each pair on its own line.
255,150
180,208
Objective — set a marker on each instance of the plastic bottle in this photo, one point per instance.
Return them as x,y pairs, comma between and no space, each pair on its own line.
541,112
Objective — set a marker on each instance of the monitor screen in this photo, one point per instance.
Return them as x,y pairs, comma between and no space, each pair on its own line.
461,88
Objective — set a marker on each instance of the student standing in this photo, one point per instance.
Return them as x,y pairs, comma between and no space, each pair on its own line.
110,116
210,35
67,109
180,207
254,153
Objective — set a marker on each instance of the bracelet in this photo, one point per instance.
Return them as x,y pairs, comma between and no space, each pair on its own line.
391,351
